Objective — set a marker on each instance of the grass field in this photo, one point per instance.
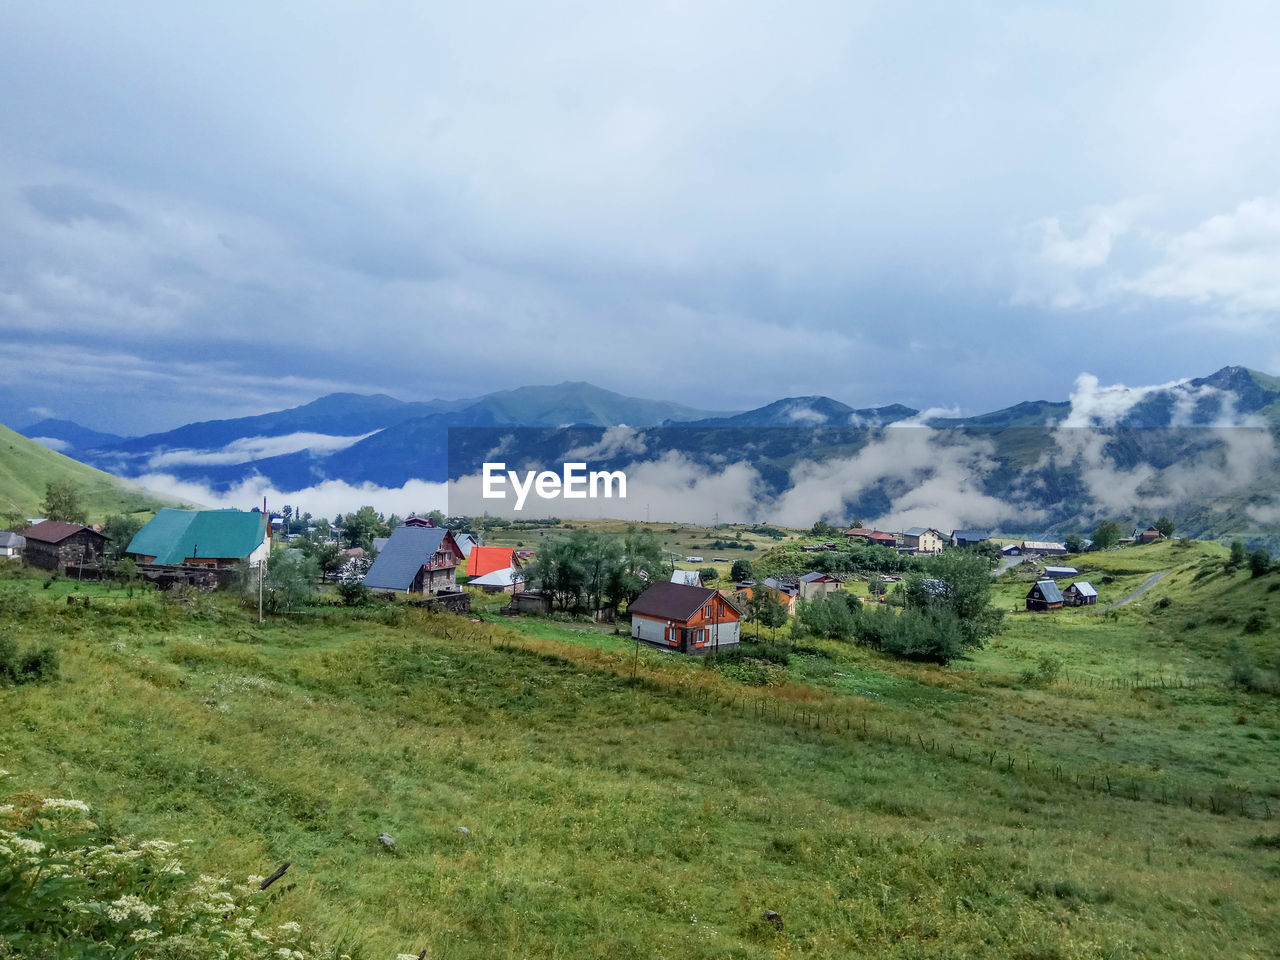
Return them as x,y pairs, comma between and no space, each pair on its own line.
26,468
661,816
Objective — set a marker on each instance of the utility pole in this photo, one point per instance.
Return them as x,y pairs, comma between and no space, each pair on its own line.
260,591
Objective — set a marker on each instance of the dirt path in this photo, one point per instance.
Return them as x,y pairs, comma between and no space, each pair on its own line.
1147,584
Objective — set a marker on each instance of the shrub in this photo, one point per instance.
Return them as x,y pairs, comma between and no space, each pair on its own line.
828,616
39,663
1257,622
66,890
1240,665
1047,671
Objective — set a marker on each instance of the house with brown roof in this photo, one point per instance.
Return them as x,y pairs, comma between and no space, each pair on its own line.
54,545
684,619
1149,535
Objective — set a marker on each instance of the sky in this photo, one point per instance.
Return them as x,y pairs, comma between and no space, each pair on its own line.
217,210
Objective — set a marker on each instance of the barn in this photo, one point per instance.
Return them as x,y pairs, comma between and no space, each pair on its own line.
1080,594
209,538
1044,595
684,619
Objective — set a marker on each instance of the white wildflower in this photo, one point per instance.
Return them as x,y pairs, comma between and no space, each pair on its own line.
143,933
58,803
291,927
26,845
128,907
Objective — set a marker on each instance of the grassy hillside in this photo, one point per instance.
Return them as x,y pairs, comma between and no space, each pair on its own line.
661,818
26,467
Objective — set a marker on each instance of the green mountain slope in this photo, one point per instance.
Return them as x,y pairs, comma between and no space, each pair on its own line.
26,468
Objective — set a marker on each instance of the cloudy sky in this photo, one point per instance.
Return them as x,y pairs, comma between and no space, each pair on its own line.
221,209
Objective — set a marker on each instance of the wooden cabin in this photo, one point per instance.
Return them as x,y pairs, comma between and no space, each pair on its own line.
684,619
1080,594
1044,595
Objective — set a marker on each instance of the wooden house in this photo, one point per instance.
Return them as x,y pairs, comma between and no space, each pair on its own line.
786,590
416,559
1149,535
858,533
54,545
1060,573
969,538
1044,595
684,619
1046,548
1080,594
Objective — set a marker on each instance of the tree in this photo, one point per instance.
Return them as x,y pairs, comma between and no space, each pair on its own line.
1165,526
62,502
708,574
830,616
960,583
823,529
119,529
1107,535
741,570
1074,543
1238,555
359,528
290,579
765,609
1259,562
437,517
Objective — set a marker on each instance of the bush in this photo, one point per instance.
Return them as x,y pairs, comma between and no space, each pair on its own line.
932,636
1257,622
39,663
68,891
1047,671
829,616
1240,665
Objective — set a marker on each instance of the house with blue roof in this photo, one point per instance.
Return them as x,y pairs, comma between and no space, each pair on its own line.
416,560
969,538
211,538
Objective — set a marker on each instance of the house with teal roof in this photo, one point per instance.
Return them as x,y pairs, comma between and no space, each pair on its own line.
202,538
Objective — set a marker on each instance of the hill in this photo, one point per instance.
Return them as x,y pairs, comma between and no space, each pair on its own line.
880,808
26,467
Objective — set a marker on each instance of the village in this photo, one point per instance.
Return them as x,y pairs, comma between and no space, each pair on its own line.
444,563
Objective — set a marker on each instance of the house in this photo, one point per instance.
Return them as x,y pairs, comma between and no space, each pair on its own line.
210,538
1044,547
417,559
484,560
425,522
1011,550
923,540
690,578
969,538
11,544
54,545
882,539
530,601
466,541
509,580
813,585
1045,595
786,590
1080,594
1149,535
684,619
1060,573
858,533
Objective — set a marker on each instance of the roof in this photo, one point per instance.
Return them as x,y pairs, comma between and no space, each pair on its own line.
1048,591
783,586
1009,548
671,601
1043,545
858,532
970,535
55,531
171,536
498,578
482,560
920,531
8,539
465,542
814,576
689,577
408,549
1061,571
1084,588
879,535
379,543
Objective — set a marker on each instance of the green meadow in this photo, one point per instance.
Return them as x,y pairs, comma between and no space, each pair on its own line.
624,803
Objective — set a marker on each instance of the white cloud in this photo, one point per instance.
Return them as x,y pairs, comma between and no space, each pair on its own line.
325,499
246,449
53,443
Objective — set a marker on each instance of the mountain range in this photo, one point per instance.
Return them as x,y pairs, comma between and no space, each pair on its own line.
387,442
